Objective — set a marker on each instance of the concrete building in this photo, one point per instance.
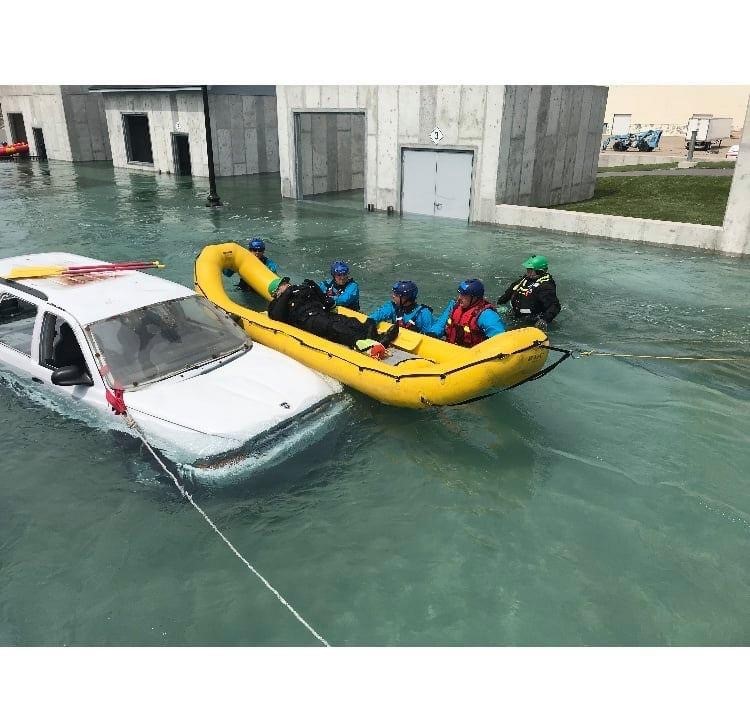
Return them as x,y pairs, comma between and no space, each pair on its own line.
162,128
62,122
668,107
451,151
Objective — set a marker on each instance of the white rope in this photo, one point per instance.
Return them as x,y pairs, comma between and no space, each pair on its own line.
132,424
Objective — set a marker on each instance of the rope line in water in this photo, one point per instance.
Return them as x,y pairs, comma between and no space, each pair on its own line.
577,354
132,424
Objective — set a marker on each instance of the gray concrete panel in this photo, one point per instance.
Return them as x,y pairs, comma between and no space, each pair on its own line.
427,111
261,131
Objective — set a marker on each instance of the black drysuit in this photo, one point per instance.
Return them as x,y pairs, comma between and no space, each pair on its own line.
307,307
532,299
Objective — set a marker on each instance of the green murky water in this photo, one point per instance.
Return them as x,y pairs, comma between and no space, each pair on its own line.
606,504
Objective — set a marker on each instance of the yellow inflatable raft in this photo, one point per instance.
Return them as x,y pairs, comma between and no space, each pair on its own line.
423,371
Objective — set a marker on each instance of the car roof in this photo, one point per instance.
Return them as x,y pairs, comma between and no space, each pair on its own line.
94,296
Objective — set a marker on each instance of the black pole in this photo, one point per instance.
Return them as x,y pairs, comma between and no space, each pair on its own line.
213,198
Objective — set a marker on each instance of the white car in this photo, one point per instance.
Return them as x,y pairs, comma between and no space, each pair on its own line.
733,151
200,389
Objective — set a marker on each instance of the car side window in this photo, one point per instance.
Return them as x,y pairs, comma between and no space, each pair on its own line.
17,318
58,345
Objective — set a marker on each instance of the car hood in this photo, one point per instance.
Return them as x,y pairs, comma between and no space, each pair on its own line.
238,399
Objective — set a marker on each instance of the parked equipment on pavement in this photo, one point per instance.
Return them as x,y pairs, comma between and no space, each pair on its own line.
646,141
710,131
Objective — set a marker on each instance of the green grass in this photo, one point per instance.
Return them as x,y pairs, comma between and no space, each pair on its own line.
723,164
697,200
638,167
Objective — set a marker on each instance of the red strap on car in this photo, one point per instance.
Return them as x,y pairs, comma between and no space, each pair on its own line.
116,401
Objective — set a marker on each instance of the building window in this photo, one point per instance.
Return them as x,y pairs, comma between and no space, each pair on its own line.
137,138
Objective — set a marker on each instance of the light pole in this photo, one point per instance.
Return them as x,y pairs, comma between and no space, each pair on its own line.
213,198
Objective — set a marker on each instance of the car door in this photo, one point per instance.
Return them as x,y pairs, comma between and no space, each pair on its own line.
62,342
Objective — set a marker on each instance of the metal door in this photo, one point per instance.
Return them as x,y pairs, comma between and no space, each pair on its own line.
453,185
436,183
418,182
621,124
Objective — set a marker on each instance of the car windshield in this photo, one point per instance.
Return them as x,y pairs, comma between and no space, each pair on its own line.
157,341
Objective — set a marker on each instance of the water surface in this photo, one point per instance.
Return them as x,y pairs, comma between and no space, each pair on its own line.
606,504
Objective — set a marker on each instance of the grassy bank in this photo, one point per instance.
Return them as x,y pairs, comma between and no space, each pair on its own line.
723,164
637,167
697,200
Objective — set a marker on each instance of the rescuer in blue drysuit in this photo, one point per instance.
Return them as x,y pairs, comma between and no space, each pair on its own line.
341,287
404,310
468,319
258,247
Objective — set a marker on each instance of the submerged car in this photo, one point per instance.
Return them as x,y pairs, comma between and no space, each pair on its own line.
192,379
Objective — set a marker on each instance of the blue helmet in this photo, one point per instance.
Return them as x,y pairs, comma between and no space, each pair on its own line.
472,287
339,267
256,243
406,290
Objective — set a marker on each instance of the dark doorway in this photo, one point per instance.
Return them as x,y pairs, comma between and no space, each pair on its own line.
41,149
330,155
17,127
137,138
181,154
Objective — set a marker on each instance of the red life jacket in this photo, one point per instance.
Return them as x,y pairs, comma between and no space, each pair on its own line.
462,327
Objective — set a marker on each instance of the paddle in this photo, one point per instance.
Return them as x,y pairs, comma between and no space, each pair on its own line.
43,272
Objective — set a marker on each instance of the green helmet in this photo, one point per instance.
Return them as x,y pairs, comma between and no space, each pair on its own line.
275,284
536,262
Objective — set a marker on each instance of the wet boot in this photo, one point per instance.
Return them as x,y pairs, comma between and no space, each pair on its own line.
388,337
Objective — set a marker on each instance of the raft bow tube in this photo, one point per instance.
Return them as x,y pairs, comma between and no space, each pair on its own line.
431,372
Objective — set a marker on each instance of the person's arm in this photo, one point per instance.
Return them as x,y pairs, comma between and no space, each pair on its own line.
278,309
438,325
490,323
349,297
505,298
384,313
549,301
424,319
323,286
273,266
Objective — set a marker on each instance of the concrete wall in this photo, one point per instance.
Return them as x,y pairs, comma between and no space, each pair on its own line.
470,117
736,239
41,106
549,144
245,133
72,124
397,117
87,126
670,106
243,130
650,231
332,152
3,136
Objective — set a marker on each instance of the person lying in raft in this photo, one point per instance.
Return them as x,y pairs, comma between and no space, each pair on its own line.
404,310
307,307
257,246
468,319
341,287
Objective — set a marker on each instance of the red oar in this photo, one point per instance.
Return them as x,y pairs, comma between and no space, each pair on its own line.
41,272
